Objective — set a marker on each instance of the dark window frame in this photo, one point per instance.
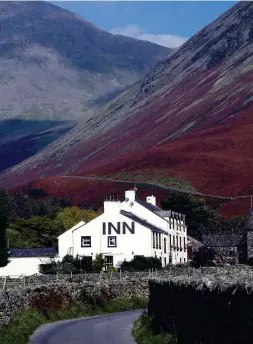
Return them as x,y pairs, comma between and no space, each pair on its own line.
108,239
85,236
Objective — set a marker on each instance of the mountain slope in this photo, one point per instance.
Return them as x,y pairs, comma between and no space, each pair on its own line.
195,107
57,67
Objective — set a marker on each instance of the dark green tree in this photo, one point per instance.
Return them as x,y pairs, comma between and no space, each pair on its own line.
198,213
98,263
5,216
37,193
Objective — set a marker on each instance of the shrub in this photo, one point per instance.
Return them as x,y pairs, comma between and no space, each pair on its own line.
48,299
141,263
48,269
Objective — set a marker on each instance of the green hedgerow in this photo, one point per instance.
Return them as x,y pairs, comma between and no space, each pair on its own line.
143,334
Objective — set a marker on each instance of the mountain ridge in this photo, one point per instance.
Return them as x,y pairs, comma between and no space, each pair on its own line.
57,66
198,99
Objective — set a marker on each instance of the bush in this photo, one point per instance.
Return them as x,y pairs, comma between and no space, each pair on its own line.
141,263
48,269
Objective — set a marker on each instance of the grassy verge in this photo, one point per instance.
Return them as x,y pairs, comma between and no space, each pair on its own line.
174,182
143,334
27,321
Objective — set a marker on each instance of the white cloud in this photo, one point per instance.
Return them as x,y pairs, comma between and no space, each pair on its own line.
170,41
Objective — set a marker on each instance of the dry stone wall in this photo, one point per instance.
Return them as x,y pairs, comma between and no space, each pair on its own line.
59,295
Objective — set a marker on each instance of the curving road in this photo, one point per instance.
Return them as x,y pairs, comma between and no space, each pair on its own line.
104,329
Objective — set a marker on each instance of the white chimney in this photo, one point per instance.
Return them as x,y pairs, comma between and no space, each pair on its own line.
111,206
151,199
130,195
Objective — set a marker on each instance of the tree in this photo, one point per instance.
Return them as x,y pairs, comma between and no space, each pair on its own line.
26,207
38,231
68,217
37,193
197,211
5,216
98,263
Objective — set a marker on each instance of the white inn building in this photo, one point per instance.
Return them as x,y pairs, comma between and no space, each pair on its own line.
126,229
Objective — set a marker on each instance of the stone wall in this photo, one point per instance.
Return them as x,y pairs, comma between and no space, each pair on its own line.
5,310
58,295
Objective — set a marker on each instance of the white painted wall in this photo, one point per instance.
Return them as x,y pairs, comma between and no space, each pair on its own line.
23,266
128,245
65,241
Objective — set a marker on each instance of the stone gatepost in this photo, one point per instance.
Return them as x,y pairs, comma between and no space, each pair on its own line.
5,310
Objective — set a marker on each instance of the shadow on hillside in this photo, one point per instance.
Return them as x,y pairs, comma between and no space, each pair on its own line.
20,139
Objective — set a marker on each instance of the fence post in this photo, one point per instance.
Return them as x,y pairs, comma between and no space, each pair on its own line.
4,284
29,280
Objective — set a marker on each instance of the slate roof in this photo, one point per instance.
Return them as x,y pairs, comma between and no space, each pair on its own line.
163,213
160,212
142,221
149,206
33,252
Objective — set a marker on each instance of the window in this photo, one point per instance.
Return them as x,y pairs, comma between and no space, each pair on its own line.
165,244
156,239
153,239
112,241
160,244
86,241
164,261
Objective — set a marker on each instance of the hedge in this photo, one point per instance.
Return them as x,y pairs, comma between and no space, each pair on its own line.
206,310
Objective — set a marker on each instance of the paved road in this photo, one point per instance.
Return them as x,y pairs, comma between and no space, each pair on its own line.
105,329
162,187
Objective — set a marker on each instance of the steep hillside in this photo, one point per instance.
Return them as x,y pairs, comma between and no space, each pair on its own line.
57,68
190,116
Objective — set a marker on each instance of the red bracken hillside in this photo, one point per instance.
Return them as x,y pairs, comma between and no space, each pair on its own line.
190,117
94,192
226,149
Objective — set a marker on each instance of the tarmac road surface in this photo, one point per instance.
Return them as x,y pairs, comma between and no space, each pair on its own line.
105,329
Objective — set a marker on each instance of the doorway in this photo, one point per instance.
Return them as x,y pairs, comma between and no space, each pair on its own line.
108,262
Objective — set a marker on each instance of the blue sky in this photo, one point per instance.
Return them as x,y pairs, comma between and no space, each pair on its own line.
166,23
